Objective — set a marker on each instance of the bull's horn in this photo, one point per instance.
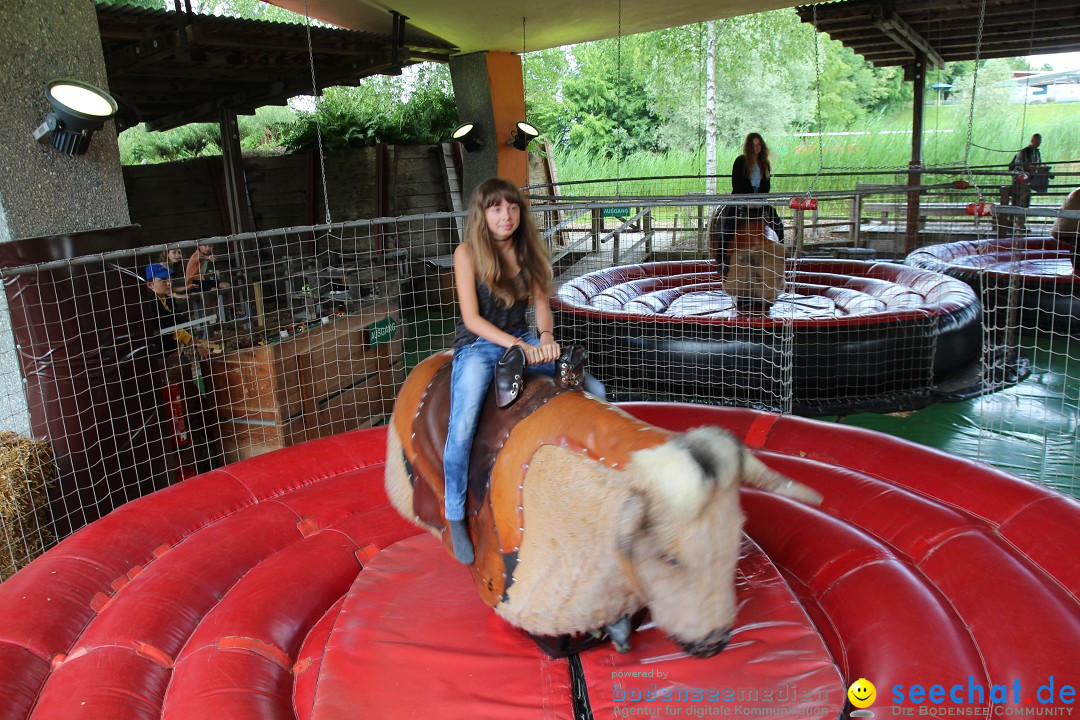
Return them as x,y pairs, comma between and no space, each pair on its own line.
757,474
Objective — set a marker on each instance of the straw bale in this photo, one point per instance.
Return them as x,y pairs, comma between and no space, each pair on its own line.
27,471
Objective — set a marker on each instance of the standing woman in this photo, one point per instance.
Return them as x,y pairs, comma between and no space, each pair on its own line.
751,171
500,269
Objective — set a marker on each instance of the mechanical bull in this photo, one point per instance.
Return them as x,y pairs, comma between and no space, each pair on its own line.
582,515
1067,230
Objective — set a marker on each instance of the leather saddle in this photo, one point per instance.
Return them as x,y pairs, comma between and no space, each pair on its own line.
510,372
513,396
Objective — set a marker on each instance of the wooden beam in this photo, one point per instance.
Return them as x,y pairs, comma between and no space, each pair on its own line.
240,218
894,26
911,226
148,51
201,112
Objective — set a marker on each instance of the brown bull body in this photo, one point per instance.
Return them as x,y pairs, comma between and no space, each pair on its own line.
579,513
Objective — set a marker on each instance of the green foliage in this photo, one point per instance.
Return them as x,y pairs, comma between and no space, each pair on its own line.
139,146
148,4
544,70
261,132
249,9
379,110
609,109
766,70
881,142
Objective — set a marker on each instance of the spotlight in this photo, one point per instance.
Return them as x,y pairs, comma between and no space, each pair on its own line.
469,137
522,135
78,110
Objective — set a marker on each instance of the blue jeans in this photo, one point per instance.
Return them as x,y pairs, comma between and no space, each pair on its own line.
470,377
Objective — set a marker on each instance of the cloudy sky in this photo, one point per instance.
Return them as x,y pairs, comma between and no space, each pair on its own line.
1061,61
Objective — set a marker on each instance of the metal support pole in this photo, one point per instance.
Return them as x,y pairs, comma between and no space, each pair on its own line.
918,77
597,228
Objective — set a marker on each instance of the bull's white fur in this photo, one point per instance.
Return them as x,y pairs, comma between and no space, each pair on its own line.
673,511
398,485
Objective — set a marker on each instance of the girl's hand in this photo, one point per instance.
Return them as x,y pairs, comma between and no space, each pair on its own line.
548,351
532,353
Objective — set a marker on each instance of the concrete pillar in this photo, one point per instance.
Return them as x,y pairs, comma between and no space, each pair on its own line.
80,375
490,91
42,191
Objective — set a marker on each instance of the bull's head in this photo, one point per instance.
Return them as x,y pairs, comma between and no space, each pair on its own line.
680,532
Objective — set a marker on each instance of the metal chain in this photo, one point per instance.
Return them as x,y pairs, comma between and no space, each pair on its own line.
971,107
817,110
618,100
1027,88
318,125
524,77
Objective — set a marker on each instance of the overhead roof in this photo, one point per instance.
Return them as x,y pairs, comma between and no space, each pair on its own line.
476,25
890,33
177,68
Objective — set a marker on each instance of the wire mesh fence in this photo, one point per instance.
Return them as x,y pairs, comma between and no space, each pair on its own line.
138,368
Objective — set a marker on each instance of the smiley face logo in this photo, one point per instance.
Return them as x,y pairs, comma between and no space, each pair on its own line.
862,693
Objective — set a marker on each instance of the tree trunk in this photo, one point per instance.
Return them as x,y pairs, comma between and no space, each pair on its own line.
710,108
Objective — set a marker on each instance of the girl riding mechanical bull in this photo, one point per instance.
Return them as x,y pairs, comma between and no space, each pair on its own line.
578,514
500,269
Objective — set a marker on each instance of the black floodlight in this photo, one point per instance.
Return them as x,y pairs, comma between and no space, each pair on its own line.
522,135
468,135
78,110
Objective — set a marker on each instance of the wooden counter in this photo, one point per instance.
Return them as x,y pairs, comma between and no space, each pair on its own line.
338,376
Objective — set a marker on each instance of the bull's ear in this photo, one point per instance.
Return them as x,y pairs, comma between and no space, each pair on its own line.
716,452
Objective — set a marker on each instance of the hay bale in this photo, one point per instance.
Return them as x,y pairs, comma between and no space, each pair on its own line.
27,471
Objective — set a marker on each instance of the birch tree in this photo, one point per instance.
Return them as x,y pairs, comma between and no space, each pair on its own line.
710,109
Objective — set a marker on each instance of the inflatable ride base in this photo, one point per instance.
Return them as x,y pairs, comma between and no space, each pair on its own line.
285,587
413,640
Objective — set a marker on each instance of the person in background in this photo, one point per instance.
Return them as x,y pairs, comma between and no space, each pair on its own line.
172,260
199,277
164,309
197,274
751,174
1024,165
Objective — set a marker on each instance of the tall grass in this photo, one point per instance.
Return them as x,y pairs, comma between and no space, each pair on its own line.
884,142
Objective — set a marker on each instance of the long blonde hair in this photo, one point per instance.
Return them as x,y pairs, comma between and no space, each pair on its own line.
532,253
762,157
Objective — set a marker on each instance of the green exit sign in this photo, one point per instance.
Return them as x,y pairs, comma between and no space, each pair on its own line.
381,331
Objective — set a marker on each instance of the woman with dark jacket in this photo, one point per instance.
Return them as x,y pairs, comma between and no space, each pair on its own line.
750,175
751,171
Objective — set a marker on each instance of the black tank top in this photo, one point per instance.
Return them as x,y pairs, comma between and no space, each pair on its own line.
509,319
